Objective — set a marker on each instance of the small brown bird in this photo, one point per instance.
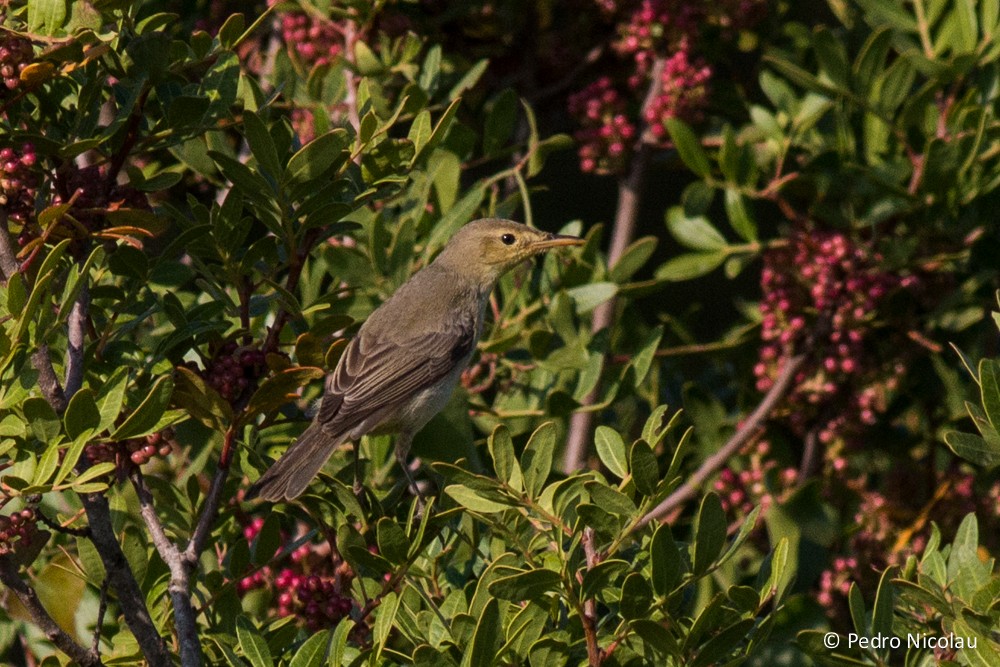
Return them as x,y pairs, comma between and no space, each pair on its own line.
401,368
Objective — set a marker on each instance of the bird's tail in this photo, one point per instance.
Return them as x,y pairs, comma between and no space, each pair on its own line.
289,476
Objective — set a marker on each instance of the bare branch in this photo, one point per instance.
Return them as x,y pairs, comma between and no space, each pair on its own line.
185,618
212,502
29,599
131,599
77,326
629,193
687,490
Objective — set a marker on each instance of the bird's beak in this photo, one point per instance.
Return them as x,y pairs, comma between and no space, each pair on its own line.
556,241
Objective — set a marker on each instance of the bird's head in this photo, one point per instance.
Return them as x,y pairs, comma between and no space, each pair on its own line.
486,249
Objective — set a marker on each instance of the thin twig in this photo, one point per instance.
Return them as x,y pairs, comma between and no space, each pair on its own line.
629,194
589,616
204,527
102,609
40,616
750,427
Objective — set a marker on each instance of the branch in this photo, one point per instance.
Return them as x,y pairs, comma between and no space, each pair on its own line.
743,435
131,599
589,616
212,502
77,326
29,599
180,580
629,191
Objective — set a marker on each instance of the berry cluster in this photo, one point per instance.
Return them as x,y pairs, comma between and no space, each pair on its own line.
821,293
316,600
15,54
138,451
234,371
312,40
683,93
606,134
658,26
758,482
17,528
887,529
313,585
647,31
18,184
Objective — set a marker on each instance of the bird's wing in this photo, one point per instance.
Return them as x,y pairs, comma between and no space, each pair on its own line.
377,376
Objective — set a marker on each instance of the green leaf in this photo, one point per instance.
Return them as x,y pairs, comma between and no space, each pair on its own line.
739,215
665,560
500,122
636,597
856,603
633,258
385,621
145,418
280,389
487,639
317,156
252,643
46,16
883,608
974,449
43,420
47,464
589,296
526,585
82,416
231,30
261,145
832,58
880,11
611,450
504,459
691,265
474,501
688,147
313,651
392,542
694,232
710,533
536,460
645,469
989,383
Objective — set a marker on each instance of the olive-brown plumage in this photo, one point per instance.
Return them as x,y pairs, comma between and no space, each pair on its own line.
404,363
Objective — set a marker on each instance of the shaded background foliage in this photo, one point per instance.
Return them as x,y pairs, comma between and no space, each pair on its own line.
786,206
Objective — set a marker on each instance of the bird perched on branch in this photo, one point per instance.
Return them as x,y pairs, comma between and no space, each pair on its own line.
401,368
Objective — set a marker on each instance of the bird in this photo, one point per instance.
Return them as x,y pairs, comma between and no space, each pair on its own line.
406,359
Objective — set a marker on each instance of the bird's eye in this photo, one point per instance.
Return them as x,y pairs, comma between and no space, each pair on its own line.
508,239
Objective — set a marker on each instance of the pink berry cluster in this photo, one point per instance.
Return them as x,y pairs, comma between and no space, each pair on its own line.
821,294
313,584
759,481
313,41
683,93
606,112
888,528
137,451
658,26
16,53
234,371
606,134
16,529
18,183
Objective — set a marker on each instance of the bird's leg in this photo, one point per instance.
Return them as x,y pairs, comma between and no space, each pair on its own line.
403,443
